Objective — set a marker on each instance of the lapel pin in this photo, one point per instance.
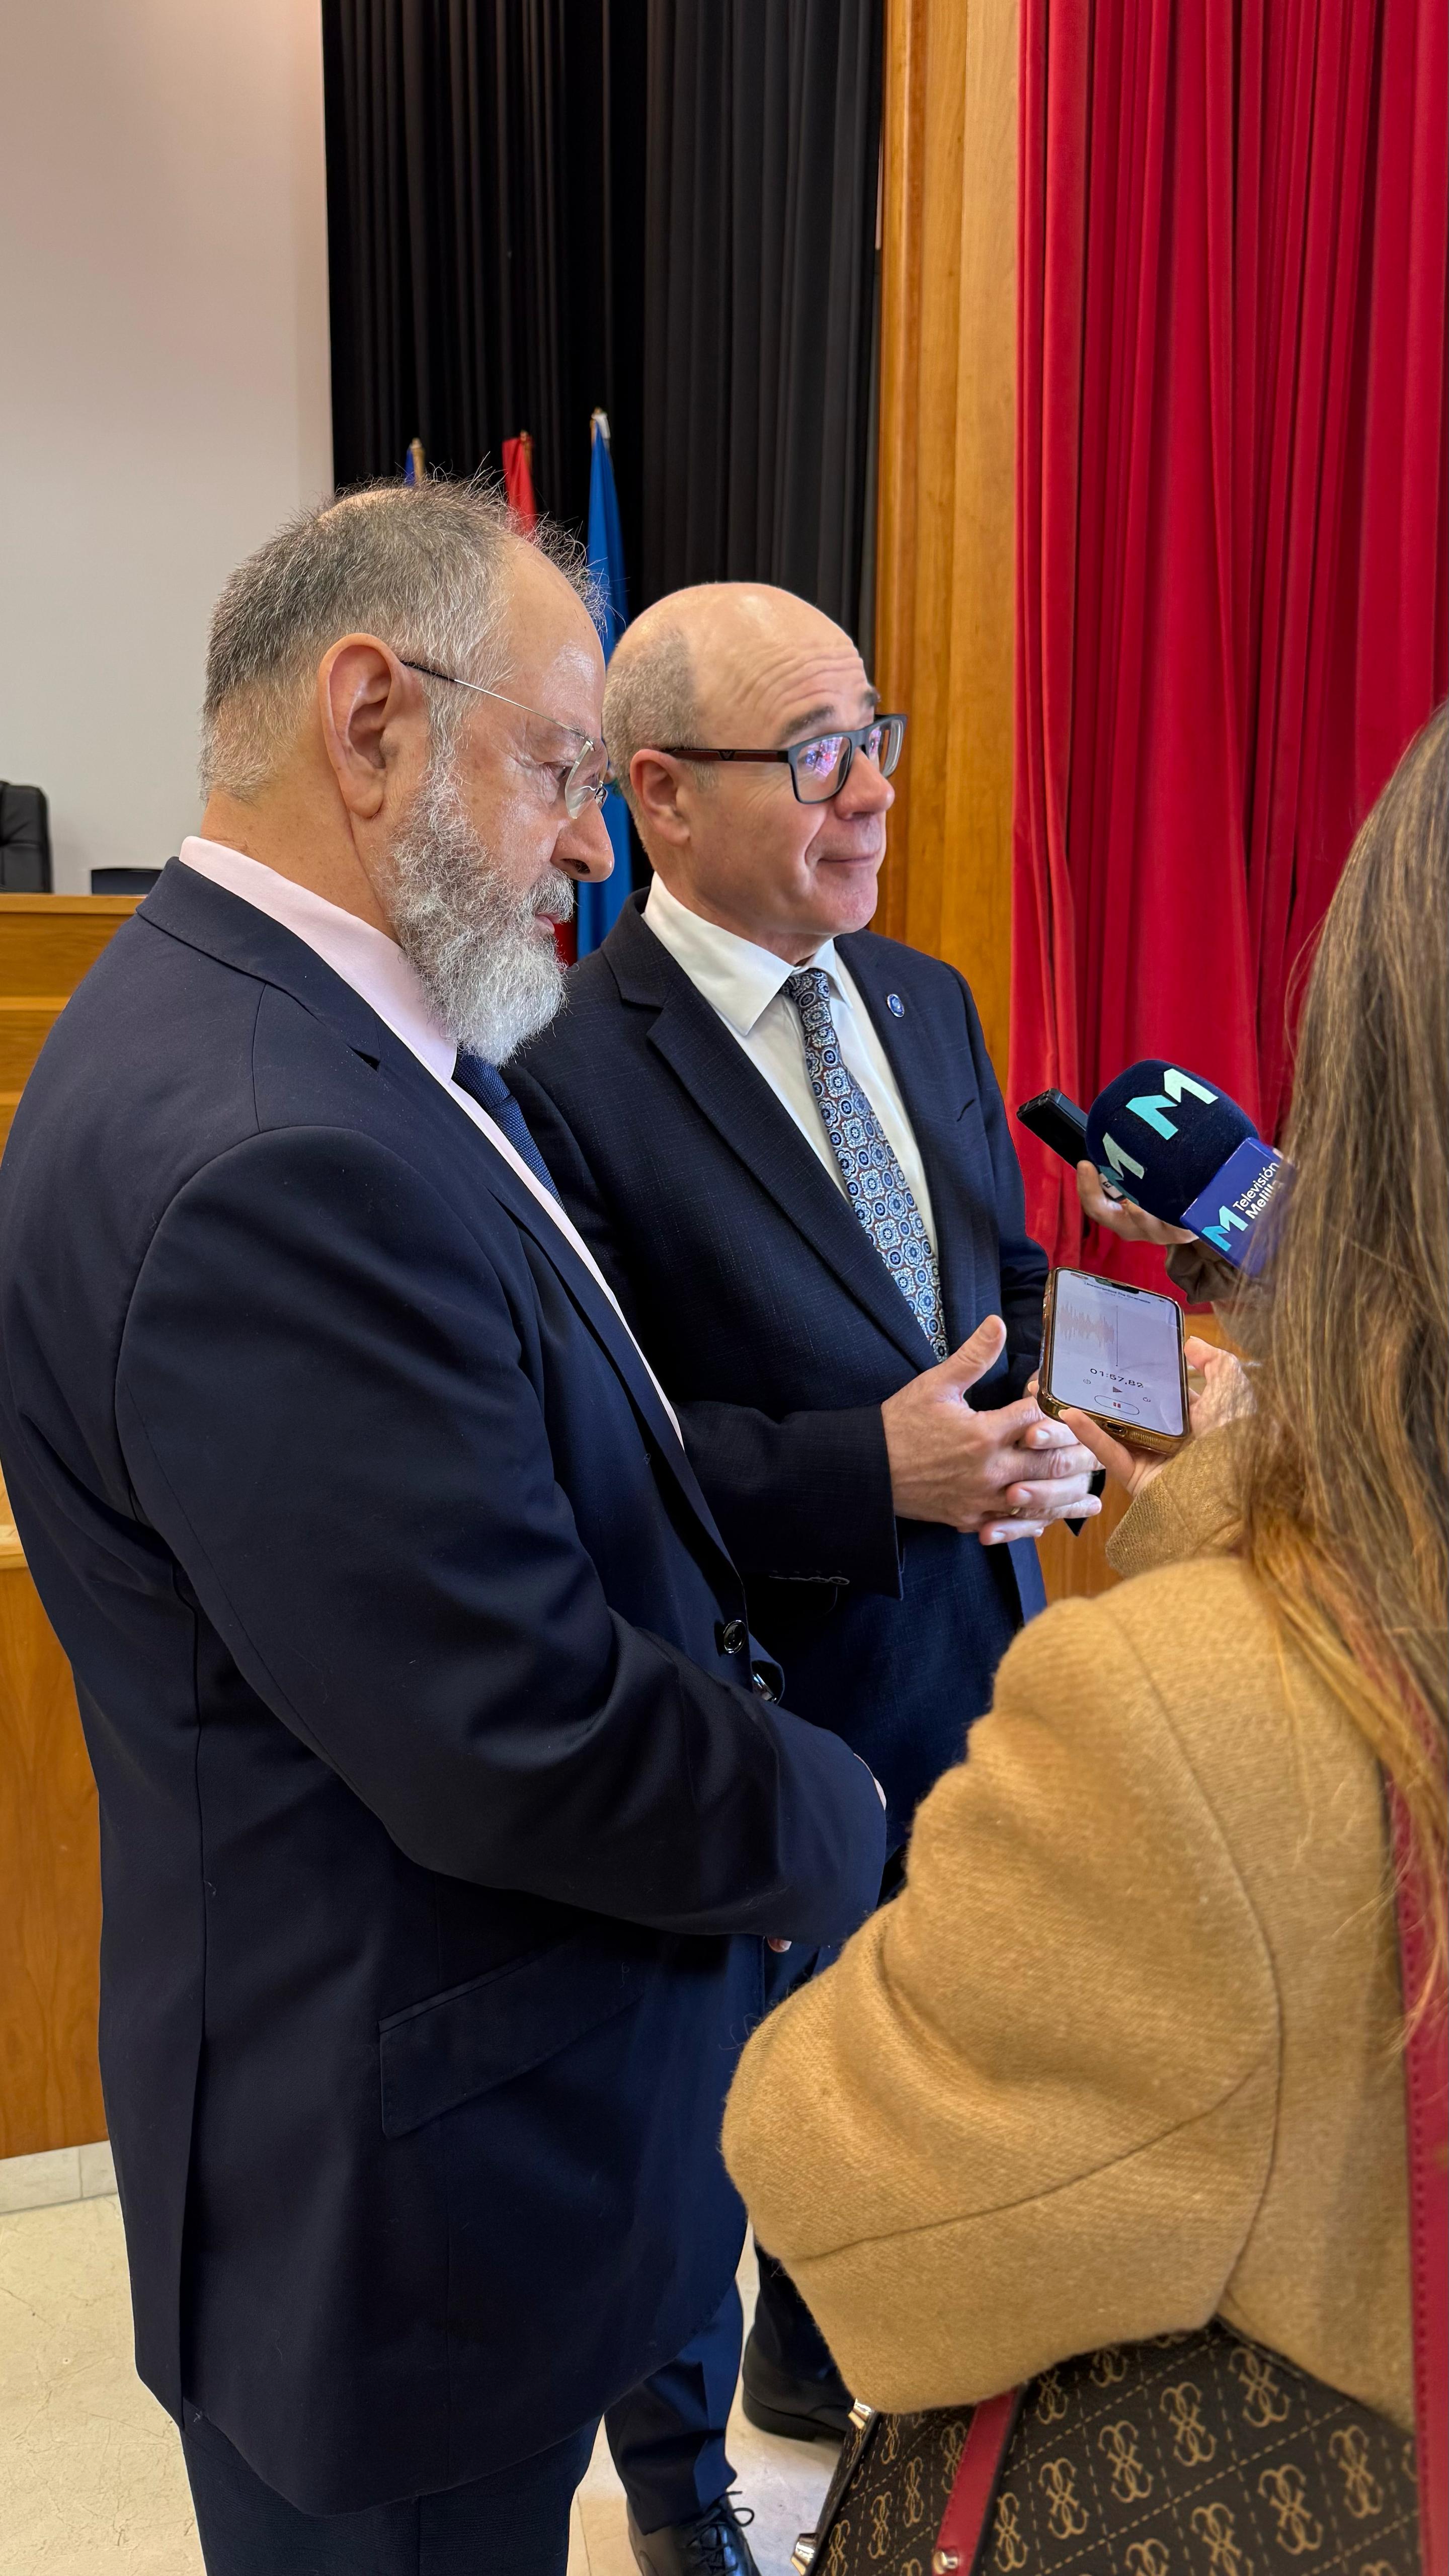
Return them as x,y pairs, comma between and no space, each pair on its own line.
894,1003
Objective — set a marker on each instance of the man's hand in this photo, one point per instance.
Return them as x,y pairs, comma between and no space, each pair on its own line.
1003,1475
1123,1217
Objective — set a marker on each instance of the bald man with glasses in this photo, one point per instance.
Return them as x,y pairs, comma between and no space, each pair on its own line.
783,1140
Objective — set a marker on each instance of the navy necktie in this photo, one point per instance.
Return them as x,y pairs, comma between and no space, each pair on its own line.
485,1084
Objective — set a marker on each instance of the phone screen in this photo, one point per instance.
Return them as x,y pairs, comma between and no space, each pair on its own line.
1116,1351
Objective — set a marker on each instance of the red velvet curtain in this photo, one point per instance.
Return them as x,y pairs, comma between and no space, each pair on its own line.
1231,517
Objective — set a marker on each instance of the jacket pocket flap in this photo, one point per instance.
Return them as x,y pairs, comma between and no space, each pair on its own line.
499,2026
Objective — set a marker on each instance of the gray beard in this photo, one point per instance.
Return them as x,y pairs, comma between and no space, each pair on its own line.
471,937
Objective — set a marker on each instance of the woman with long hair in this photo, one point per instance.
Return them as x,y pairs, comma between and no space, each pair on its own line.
1126,2055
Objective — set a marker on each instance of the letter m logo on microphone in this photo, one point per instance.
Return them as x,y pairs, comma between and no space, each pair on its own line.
1228,1222
1150,1106
1229,1211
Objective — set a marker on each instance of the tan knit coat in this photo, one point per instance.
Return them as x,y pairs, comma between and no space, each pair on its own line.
1123,2055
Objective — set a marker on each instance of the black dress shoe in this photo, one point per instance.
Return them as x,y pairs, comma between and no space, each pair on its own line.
712,2545
804,2410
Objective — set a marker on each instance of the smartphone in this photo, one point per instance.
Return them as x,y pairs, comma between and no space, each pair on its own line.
1063,1126
1116,1353
1058,1122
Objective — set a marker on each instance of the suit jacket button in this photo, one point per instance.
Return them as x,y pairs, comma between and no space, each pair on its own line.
731,1636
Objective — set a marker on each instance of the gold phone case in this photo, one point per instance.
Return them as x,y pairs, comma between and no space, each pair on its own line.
1155,1444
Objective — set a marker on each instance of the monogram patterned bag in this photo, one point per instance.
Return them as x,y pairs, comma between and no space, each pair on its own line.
1191,2455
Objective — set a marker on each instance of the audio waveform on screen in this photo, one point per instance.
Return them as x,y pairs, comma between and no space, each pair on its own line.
1080,1330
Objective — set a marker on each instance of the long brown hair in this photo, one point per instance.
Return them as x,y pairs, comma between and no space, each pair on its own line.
1346,1517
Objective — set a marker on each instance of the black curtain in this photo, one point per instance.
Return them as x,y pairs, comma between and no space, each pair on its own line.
664,206
470,242
764,139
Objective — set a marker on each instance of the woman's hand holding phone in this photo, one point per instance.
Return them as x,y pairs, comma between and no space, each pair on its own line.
1226,1390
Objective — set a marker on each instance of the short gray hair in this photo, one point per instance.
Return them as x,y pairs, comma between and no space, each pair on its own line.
424,567
650,700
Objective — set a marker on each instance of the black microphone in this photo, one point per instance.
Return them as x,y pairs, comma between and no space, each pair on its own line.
1187,1153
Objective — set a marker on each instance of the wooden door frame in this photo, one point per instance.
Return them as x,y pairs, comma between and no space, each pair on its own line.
945,536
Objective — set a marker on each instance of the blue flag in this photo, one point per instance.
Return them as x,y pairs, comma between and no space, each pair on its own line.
599,906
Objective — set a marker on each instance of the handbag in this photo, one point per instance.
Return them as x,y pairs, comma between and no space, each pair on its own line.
1197,2454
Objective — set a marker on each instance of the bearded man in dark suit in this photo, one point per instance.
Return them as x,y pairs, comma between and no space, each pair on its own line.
445,1812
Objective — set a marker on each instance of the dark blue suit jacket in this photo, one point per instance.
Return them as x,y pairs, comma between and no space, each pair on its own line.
431,1796
778,1332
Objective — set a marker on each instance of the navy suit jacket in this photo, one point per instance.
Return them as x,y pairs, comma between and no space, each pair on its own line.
778,1332
433,1790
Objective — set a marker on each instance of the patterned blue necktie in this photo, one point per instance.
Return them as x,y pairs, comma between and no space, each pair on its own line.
877,1187
485,1084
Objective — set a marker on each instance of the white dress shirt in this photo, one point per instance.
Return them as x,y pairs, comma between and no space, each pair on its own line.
745,986
376,968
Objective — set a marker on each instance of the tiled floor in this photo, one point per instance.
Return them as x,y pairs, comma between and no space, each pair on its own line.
90,2470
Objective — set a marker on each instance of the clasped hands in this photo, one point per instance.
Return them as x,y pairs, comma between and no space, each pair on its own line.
1001,1475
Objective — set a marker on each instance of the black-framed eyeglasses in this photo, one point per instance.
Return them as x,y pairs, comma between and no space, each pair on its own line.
587,782
820,767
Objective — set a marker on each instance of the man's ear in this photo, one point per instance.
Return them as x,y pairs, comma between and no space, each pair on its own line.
656,781
366,703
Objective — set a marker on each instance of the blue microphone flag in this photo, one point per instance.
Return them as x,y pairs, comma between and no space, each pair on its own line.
1229,1213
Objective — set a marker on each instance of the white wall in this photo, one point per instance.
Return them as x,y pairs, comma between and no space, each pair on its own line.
164,394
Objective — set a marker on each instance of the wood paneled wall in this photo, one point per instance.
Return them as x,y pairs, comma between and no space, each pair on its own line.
50,1884
50,1870
945,531
47,943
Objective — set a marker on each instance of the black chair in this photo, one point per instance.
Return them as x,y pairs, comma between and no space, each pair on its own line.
24,840
123,880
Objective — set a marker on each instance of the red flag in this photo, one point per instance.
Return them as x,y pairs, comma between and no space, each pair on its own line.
518,484
518,478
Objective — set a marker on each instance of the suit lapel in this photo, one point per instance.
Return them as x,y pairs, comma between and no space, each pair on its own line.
209,917
936,1090
595,1307
739,1104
